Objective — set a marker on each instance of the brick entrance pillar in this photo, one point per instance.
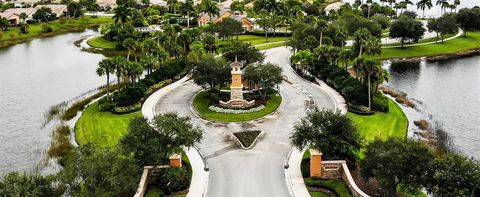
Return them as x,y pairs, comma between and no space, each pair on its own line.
175,160
315,163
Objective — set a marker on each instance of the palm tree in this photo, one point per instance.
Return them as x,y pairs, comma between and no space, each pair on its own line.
443,4
149,62
130,44
133,70
121,13
321,25
210,8
106,67
188,8
186,40
366,68
361,36
4,23
23,16
172,5
209,43
119,62
456,3
406,3
423,4
159,36
372,46
23,27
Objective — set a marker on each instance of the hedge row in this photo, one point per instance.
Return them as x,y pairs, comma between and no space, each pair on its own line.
354,92
129,97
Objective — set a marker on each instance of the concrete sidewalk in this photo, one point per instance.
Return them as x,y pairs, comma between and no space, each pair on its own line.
293,175
199,182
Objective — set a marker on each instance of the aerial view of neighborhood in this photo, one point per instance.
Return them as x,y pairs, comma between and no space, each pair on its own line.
239,98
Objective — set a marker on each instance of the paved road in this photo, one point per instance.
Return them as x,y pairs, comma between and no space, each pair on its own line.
258,171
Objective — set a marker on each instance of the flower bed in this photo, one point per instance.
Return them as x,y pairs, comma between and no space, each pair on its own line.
235,111
247,138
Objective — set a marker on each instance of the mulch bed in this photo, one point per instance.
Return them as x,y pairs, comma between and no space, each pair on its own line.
247,138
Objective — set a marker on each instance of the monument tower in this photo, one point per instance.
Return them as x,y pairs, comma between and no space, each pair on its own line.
236,87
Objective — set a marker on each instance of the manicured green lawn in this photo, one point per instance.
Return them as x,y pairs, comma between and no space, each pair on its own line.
269,46
201,104
102,128
422,40
381,125
472,41
13,35
102,43
336,185
255,40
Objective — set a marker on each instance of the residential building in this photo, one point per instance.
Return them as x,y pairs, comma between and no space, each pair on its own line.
13,14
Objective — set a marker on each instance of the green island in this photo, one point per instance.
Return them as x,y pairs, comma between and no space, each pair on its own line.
14,36
101,43
201,104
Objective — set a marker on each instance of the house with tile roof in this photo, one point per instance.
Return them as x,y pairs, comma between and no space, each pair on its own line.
13,14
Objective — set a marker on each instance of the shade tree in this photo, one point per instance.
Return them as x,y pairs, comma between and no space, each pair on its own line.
406,28
266,76
212,72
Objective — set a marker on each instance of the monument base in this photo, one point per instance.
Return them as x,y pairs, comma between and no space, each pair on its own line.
237,103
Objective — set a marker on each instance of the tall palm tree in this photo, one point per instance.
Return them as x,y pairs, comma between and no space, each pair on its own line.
133,70
456,3
149,62
159,36
406,3
443,4
424,4
4,23
121,13
321,25
106,67
361,36
188,8
210,8
172,5
209,43
23,16
365,69
130,44
372,46
120,64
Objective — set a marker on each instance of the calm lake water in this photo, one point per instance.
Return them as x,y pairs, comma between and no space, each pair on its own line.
450,92
34,76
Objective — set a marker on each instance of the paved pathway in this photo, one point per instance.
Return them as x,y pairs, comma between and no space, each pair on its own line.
460,33
255,172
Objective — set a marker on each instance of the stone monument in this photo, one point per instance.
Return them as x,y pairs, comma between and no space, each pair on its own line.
236,89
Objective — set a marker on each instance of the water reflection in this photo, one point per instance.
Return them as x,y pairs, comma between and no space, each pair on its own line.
449,91
34,76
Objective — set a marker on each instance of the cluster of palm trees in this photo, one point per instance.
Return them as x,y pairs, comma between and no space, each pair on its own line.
121,67
423,5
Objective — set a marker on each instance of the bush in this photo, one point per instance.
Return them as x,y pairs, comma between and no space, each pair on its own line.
360,110
62,20
46,28
380,102
104,105
126,109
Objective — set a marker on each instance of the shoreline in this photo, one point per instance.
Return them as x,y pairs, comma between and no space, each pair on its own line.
9,43
438,57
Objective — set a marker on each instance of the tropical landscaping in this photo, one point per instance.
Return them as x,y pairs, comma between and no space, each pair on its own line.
114,137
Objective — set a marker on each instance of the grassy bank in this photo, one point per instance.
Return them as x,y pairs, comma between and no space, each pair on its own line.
254,40
381,125
101,43
13,36
102,128
201,104
460,44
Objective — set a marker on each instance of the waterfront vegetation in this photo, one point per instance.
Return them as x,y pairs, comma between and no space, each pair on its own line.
101,43
14,36
102,128
457,45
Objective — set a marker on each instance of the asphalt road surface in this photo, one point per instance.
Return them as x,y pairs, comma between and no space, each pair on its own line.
258,171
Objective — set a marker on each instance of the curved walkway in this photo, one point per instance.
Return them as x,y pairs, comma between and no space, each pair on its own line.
233,171
460,33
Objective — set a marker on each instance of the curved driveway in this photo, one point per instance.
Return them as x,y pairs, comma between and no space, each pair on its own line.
258,171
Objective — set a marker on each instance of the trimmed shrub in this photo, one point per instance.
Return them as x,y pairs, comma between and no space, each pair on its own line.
380,102
126,109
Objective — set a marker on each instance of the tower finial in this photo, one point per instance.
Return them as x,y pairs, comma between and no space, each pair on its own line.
236,58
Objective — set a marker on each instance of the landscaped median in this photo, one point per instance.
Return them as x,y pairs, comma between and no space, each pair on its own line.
201,104
13,36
